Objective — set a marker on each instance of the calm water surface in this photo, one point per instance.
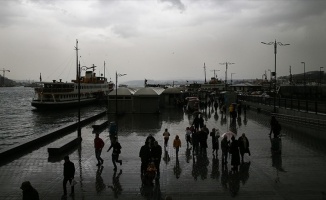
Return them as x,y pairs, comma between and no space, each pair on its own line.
19,120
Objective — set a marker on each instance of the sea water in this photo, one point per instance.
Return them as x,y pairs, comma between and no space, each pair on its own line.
19,120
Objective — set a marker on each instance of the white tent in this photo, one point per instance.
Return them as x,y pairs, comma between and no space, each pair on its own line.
147,100
123,97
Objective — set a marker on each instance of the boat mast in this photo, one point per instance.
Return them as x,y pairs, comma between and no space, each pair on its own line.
77,71
104,70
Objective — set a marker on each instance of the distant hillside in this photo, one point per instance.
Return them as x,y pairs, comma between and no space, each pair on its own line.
7,82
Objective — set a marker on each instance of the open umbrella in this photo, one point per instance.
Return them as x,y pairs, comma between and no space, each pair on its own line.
229,135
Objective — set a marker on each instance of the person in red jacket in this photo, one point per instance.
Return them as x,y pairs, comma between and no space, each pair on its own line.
98,145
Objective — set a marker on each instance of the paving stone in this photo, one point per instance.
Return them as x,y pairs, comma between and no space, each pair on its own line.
298,173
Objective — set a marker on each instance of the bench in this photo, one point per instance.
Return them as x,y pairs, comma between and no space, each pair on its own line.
55,151
98,128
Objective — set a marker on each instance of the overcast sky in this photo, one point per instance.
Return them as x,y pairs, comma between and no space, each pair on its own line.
160,39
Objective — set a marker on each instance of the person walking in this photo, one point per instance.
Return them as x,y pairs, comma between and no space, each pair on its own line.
98,145
156,153
215,144
243,145
115,152
196,123
188,136
29,192
201,122
144,154
203,136
195,141
215,105
275,127
68,175
166,136
225,149
177,145
234,151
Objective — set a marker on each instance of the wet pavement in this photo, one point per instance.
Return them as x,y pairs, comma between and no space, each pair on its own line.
297,173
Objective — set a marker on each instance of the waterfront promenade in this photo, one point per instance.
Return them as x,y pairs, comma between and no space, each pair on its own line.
297,173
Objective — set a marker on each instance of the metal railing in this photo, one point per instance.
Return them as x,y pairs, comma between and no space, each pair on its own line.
317,107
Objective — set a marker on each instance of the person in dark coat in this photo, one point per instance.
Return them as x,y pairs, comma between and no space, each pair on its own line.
201,122
243,145
196,123
215,144
68,175
156,153
215,105
225,149
234,151
115,152
195,141
145,155
275,127
239,108
203,135
29,192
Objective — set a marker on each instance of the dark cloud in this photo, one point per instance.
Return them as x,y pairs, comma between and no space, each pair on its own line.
176,3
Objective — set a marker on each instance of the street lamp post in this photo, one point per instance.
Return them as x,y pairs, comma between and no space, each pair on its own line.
226,72
275,52
116,90
78,78
320,75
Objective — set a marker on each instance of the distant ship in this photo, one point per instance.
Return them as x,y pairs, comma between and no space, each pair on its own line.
57,94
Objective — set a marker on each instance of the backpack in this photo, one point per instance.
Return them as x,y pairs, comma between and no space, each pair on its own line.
118,148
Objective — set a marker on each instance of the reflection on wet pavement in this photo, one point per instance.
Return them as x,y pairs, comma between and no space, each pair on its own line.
275,169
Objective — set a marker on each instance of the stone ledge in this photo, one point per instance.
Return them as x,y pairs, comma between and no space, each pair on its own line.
55,151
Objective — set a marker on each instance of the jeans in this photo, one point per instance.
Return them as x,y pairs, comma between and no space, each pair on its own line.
65,180
115,158
98,155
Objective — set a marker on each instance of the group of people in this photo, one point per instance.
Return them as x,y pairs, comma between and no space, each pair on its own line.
197,136
69,167
150,154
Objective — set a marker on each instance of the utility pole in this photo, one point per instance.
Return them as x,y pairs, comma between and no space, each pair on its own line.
290,76
3,75
226,72
275,44
205,72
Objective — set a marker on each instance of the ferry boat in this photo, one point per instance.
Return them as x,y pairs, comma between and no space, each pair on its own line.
53,95
57,94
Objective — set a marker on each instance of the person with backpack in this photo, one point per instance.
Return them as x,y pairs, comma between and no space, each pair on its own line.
98,145
115,152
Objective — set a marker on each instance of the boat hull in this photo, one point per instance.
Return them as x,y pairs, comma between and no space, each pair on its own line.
62,105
